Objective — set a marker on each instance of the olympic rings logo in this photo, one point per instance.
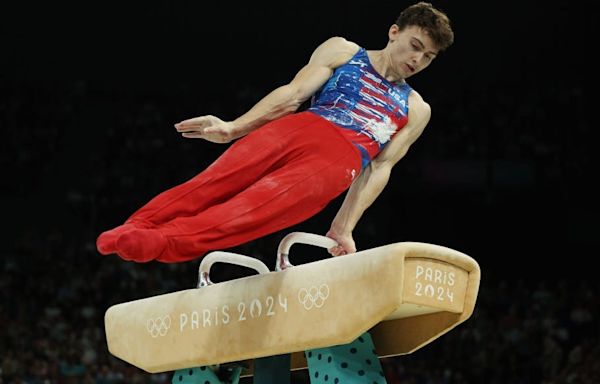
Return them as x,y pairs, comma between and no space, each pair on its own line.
159,326
313,297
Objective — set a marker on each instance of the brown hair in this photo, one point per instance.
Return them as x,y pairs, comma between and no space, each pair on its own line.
432,20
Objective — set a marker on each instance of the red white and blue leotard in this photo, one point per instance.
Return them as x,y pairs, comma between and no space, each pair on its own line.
369,109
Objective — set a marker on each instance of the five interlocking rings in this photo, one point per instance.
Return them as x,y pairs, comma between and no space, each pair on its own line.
313,297
159,326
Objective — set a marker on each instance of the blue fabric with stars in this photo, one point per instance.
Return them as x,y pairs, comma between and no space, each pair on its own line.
354,363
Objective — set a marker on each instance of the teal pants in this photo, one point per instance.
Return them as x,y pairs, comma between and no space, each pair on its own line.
354,363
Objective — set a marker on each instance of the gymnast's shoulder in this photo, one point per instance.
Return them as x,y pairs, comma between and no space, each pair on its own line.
336,50
418,107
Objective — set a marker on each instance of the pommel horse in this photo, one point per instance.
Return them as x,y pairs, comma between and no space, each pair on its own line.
405,295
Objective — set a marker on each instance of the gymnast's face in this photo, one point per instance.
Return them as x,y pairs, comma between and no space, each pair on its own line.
411,50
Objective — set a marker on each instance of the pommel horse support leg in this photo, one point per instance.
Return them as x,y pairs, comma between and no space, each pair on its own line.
405,295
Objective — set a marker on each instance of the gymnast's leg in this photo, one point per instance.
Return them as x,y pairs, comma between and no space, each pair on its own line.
280,200
242,164
318,164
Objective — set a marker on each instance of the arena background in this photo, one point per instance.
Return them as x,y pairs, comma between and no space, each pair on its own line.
505,171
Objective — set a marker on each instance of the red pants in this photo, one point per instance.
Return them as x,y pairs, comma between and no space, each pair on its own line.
277,176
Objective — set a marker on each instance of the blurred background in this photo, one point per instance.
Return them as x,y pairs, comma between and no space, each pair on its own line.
504,172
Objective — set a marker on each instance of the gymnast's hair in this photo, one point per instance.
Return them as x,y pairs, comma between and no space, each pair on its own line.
434,21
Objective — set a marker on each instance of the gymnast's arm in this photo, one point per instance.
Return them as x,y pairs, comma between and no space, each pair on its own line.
280,102
367,187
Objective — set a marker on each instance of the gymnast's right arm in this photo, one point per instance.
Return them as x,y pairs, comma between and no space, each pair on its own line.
372,180
282,101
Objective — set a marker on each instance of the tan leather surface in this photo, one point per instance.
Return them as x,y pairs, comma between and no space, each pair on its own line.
407,294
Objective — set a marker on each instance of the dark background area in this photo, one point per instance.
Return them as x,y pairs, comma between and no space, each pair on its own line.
89,94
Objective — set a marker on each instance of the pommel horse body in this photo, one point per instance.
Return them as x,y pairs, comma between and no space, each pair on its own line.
404,294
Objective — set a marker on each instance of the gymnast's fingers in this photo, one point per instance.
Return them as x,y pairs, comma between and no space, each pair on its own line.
194,123
192,135
337,251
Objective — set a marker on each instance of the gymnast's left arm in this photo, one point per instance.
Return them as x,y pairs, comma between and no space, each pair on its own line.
368,186
282,101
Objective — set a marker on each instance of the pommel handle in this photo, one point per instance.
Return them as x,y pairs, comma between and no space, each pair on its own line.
226,257
283,261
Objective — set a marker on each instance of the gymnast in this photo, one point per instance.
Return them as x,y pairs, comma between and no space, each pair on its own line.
284,165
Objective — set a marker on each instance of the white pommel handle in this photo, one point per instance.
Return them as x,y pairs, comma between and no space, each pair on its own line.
283,251
226,257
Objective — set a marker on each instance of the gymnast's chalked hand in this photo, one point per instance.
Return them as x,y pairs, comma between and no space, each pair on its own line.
209,128
345,243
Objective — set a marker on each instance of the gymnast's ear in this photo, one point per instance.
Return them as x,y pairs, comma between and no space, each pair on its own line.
393,33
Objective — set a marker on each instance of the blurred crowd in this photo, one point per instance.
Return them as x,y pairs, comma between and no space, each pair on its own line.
77,159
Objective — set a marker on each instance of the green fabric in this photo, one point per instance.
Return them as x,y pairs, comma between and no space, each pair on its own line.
354,363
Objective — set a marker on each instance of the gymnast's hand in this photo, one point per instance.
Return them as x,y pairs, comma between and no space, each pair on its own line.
345,243
209,128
